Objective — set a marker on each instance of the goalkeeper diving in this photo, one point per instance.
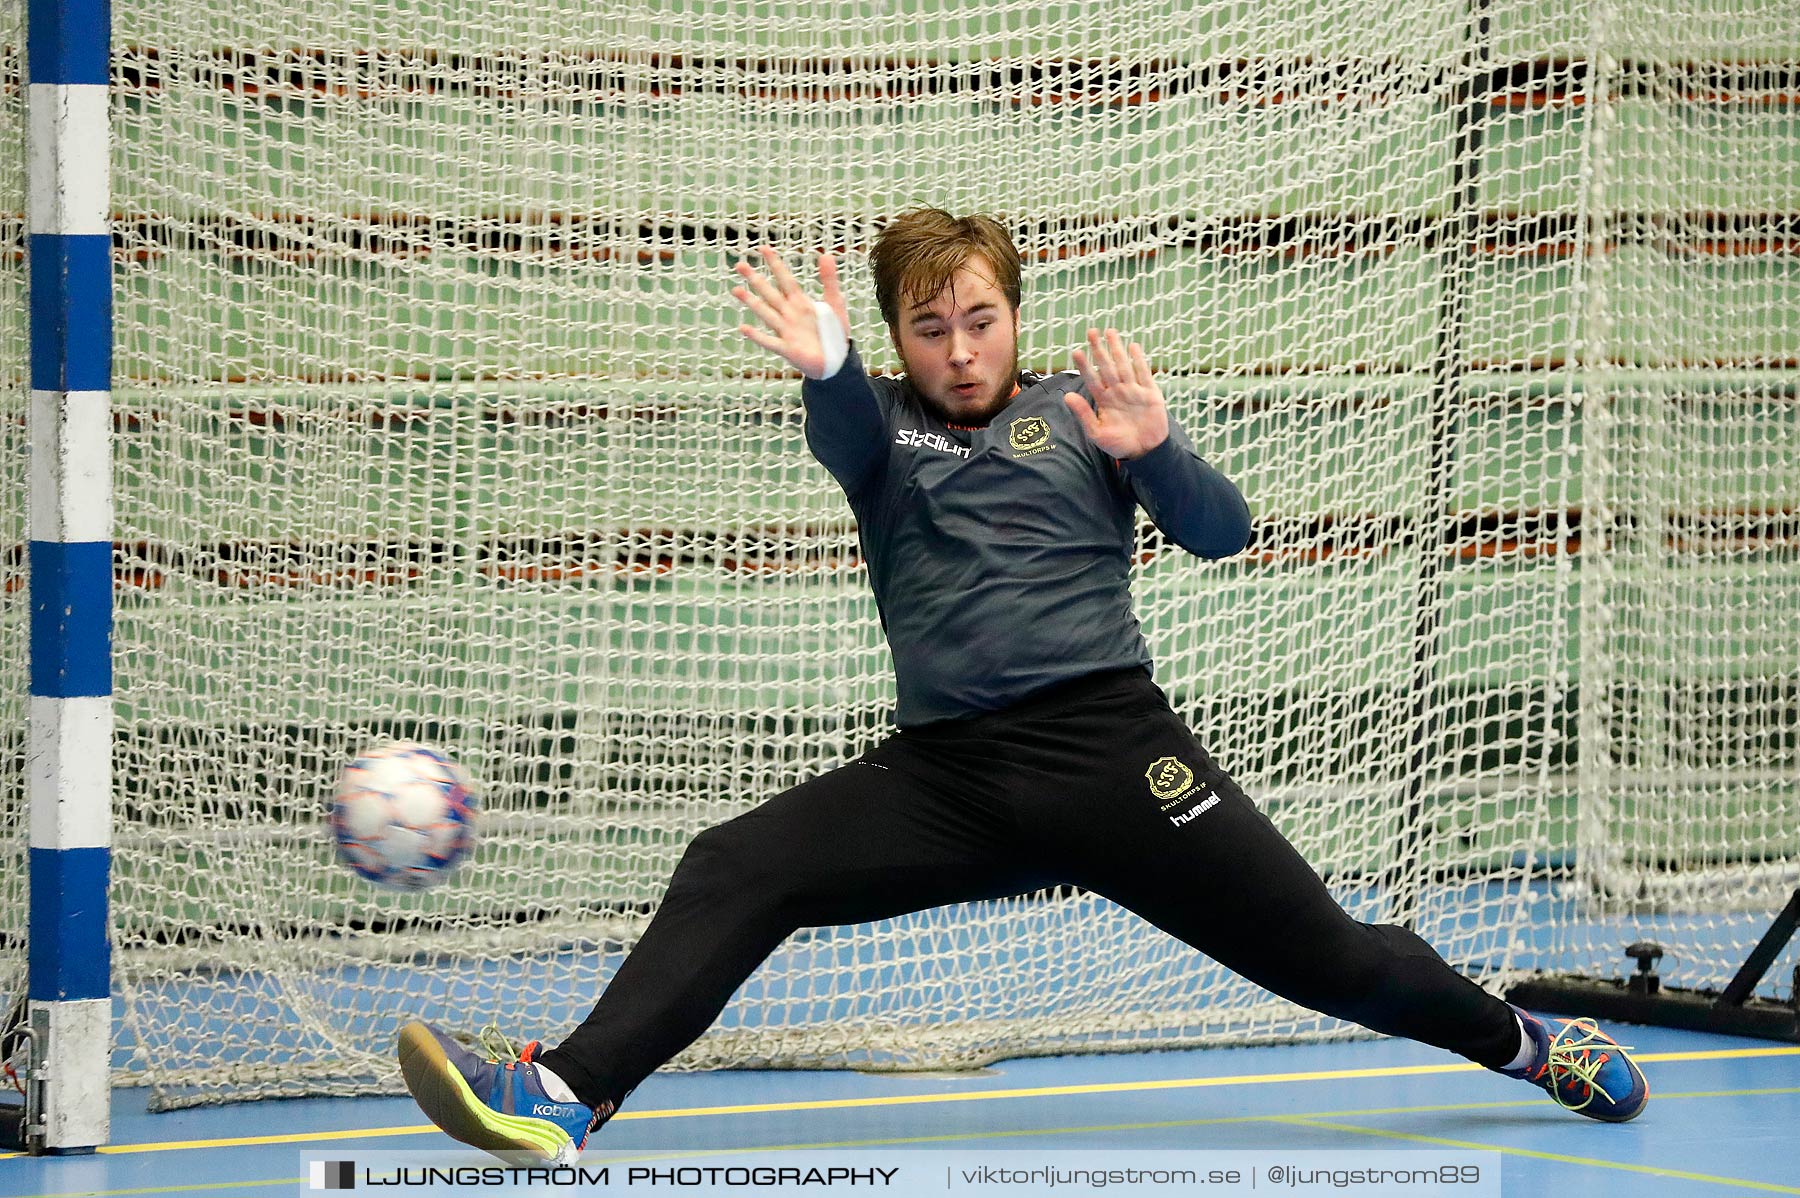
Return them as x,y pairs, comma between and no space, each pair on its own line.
1032,747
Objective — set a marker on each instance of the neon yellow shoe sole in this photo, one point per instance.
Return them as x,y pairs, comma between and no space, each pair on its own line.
516,1122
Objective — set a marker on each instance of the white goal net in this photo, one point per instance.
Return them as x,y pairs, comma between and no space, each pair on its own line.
430,421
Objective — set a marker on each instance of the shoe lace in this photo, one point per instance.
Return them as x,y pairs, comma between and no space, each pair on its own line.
497,1046
1576,1062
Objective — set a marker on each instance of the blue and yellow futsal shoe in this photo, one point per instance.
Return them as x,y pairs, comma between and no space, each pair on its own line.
493,1103
1584,1069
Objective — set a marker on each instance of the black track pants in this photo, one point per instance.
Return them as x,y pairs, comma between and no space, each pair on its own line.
1051,791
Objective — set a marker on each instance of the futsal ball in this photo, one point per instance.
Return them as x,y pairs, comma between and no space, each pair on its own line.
403,815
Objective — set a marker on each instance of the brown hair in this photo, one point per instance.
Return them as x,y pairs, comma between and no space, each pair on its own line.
919,252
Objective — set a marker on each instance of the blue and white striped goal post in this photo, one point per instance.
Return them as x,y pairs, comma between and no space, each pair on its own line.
69,251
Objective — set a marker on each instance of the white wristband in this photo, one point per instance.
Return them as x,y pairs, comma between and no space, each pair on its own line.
832,338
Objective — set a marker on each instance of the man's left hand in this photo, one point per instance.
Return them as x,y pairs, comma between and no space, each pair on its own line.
1127,417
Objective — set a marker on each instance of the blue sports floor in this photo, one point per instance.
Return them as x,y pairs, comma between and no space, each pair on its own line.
1724,1118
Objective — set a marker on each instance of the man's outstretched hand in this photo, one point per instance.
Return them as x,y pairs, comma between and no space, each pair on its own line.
790,322
1127,417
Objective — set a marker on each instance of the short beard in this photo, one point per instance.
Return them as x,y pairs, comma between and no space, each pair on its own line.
996,401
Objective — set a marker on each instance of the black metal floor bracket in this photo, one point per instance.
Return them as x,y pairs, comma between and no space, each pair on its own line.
1642,997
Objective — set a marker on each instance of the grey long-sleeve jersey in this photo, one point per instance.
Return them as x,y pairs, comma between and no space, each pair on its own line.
1000,556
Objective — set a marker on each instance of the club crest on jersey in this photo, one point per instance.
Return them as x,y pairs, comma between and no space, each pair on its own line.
1170,779
1029,435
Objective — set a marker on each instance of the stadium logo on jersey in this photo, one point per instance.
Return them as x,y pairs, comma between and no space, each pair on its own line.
937,441
1029,435
1170,780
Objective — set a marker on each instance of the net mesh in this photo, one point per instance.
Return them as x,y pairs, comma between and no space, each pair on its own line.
15,474
431,422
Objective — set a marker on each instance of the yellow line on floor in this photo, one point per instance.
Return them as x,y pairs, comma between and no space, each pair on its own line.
1765,1187
1184,1083
895,1100
1314,1118
1716,1054
287,1183
639,1155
